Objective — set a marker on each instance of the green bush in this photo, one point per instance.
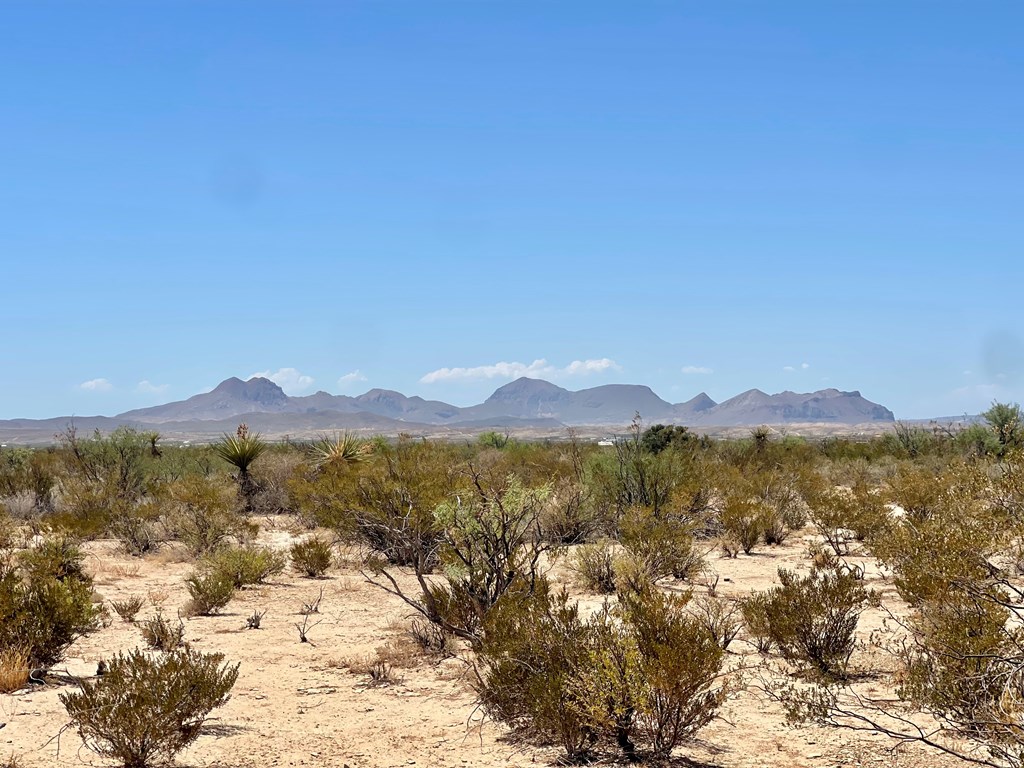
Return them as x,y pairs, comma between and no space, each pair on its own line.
138,530
534,650
58,556
719,617
679,662
201,513
161,633
243,566
660,545
312,557
46,601
744,522
812,619
754,609
209,592
647,672
146,709
594,566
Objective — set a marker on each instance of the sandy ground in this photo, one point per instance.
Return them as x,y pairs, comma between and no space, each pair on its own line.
297,704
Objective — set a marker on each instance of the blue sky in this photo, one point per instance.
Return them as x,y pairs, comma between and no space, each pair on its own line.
436,197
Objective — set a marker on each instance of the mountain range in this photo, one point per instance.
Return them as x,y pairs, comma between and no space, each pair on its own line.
522,404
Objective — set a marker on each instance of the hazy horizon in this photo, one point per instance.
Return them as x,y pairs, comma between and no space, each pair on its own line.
440,197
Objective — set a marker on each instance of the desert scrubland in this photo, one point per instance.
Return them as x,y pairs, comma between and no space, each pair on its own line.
670,599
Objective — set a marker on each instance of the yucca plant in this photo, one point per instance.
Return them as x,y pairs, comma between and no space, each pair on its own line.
241,450
338,450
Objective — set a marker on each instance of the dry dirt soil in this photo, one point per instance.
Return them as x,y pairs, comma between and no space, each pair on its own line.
298,704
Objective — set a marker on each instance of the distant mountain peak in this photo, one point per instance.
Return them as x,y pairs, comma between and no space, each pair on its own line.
256,389
525,388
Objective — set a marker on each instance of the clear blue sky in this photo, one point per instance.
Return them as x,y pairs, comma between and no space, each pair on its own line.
696,196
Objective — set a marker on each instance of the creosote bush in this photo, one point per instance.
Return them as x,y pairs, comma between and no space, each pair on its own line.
146,708
243,566
201,513
210,592
812,619
312,557
161,633
644,676
46,601
594,567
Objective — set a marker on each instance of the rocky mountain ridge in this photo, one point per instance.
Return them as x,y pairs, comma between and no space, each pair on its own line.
521,404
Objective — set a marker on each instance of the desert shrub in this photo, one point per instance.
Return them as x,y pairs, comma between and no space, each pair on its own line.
679,663
14,669
594,567
844,514
954,542
271,480
432,639
59,556
647,671
812,619
632,476
660,545
312,557
201,514
569,517
782,508
243,566
754,609
961,658
103,478
492,546
534,649
138,530
775,529
391,509
20,506
8,530
743,521
146,709
27,481
46,601
720,617
127,608
161,633
209,592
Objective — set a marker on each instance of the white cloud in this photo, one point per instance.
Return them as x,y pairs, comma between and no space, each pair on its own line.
351,378
147,387
792,368
805,366
697,370
515,370
788,368
96,385
288,379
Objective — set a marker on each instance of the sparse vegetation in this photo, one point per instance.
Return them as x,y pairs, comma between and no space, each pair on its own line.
128,608
937,514
161,633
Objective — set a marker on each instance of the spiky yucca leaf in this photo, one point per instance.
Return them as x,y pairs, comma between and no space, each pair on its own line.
339,449
241,449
